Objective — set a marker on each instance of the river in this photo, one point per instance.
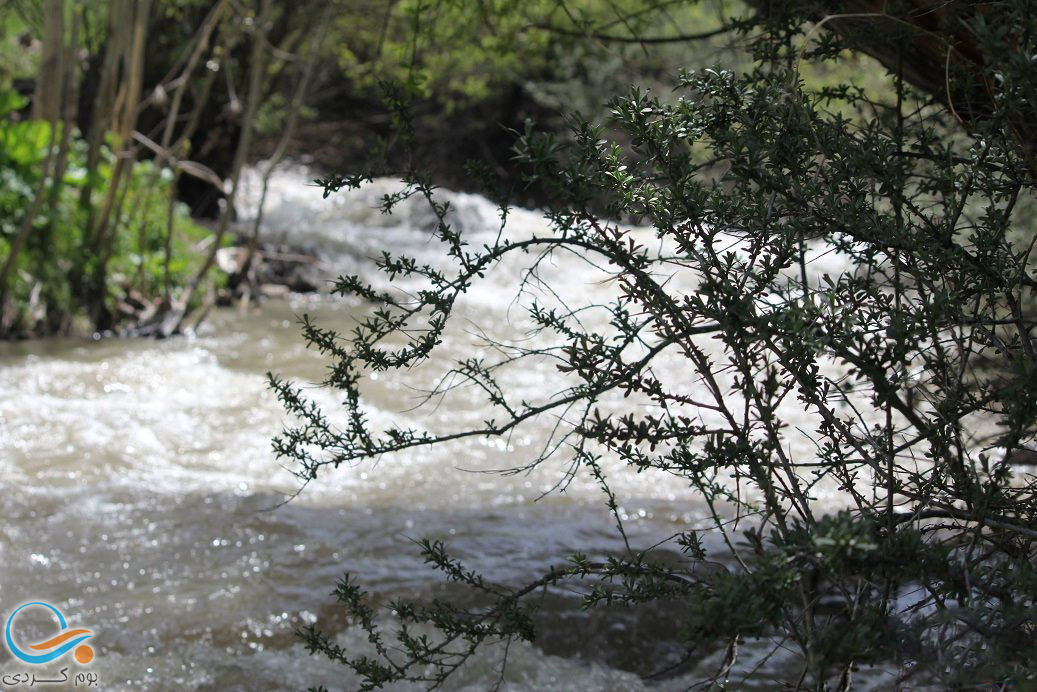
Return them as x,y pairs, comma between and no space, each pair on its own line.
142,498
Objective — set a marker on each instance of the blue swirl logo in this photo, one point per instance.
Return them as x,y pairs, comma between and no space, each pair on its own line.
55,647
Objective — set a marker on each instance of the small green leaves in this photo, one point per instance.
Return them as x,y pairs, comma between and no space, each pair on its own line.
844,252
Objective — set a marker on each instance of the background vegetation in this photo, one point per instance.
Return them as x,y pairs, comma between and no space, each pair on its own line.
162,103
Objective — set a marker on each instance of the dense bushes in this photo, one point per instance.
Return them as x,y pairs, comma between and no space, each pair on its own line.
915,359
45,283
199,88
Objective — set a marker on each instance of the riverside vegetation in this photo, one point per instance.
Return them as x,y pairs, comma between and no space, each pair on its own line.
126,126
915,359
897,137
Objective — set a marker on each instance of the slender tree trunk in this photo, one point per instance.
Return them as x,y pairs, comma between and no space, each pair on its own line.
103,234
257,71
70,98
47,105
175,151
100,120
298,99
47,96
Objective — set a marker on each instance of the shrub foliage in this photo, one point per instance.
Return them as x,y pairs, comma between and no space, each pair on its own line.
915,361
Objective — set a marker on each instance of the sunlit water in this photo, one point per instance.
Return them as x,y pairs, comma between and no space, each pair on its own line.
141,496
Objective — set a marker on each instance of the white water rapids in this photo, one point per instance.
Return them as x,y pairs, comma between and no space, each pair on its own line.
138,487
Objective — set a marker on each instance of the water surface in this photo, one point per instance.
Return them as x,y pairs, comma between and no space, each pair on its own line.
142,498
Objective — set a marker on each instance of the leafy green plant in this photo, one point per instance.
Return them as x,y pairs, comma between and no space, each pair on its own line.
43,283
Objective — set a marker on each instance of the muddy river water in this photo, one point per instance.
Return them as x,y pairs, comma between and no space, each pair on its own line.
141,496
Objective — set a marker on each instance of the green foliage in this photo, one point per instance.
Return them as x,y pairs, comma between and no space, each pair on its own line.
139,259
454,57
46,282
915,361
16,58
459,53
443,48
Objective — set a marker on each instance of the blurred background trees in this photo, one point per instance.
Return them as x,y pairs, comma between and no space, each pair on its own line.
126,124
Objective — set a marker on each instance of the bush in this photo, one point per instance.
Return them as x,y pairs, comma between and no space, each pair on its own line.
915,360
46,284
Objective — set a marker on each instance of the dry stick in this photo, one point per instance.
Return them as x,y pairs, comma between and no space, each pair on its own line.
201,45
257,64
293,117
142,236
117,217
177,169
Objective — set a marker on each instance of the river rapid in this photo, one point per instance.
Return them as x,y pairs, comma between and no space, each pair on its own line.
142,498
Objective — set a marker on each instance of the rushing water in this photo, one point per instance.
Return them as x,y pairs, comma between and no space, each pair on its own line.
141,496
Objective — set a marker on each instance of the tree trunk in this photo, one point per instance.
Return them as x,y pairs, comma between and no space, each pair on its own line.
257,69
46,100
